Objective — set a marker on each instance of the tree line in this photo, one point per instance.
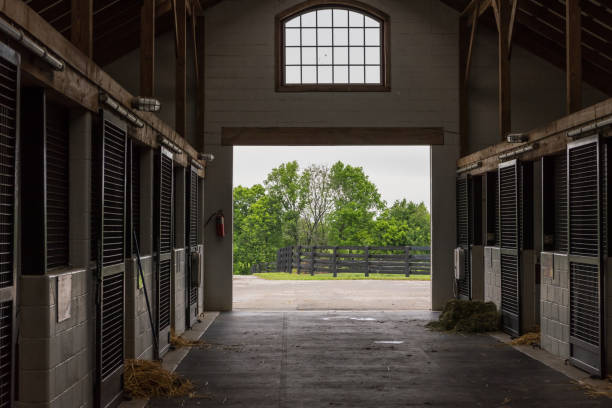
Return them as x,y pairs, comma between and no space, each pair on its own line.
320,205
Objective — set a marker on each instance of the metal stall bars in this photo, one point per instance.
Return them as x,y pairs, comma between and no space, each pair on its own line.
193,261
463,192
509,246
585,192
110,151
164,175
9,158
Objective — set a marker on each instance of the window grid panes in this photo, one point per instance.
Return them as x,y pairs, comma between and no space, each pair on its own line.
331,46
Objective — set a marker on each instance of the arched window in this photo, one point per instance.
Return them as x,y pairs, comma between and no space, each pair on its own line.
333,46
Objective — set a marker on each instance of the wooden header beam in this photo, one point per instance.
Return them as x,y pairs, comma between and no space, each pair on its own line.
331,136
551,138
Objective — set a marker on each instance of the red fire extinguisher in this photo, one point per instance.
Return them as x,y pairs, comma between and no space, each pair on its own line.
219,223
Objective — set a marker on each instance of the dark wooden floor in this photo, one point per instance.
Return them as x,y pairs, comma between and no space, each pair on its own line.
332,359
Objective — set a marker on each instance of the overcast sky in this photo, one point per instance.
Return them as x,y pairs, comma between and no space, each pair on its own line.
398,171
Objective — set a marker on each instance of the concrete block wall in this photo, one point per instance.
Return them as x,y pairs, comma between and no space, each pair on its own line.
608,312
178,289
202,289
478,280
554,310
138,332
56,358
492,275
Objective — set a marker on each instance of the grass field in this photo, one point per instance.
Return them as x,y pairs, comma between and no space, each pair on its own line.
341,276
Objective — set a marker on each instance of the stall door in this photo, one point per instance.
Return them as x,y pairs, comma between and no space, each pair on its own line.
584,205
193,222
509,246
9,114
163,244
110,180
464,286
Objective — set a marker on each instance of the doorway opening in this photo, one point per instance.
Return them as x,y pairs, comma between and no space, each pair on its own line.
331,228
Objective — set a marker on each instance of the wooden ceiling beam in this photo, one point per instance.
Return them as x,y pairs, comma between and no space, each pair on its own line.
573,48
81,31
504,11
147,48
181,67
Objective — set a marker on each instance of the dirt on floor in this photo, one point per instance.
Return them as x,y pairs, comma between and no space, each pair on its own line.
259,294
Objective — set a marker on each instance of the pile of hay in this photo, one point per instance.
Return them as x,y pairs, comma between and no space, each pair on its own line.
528,339
146,379
467,316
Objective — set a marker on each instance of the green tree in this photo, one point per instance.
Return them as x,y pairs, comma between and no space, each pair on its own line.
289,188
404,223
356,203
257,227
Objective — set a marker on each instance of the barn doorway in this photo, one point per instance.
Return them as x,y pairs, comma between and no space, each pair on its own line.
331,228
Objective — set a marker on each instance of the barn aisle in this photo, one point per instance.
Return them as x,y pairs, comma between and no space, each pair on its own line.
363,359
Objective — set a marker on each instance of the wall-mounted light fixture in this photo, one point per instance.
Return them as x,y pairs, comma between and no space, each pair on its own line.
169,144
517,152
40,51
517,138
469,167
207,157
146,104
587,130
121,111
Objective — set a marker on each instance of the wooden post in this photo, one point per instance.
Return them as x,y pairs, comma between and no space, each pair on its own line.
201,99
407,261
505,118
81,29
147,48
312,259
573,50
334,260
463,85
367,261
181,67
299,259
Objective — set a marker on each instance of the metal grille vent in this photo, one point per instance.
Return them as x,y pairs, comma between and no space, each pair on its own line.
112,323
560,187
135,174
8,125
496,195
164,293
114,194
509,282
508,207
584,196
463,231
193,209
6,351
57,188
165,237
584,302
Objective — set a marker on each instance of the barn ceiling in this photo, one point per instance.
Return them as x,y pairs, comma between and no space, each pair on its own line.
539,28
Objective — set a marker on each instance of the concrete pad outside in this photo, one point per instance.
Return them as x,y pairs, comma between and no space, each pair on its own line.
253,293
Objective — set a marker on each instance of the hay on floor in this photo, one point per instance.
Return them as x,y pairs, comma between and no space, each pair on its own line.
179,341
527,339
146,379
467,316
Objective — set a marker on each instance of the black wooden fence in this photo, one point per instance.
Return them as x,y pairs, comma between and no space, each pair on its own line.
400,260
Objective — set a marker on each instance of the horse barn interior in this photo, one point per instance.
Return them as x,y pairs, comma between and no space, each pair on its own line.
117,126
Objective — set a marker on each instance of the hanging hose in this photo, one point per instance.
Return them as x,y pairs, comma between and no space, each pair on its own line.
144,286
